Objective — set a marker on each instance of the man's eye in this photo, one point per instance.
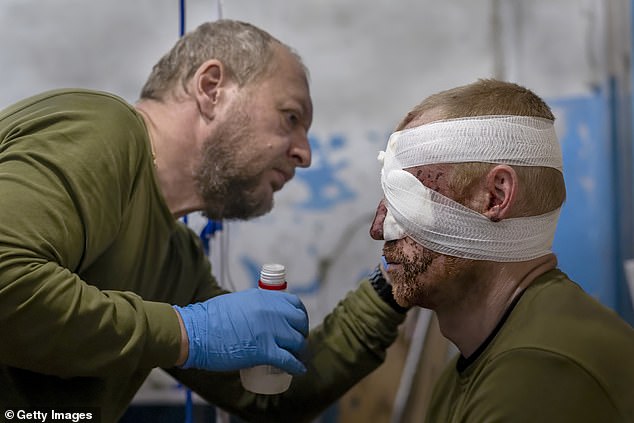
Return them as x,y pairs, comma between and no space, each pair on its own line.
293,118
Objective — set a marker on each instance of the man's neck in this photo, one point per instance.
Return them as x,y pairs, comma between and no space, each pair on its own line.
468,321
172,130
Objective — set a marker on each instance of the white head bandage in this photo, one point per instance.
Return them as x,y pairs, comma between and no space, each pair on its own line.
447,227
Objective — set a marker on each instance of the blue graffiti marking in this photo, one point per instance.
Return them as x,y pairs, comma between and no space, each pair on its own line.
326,189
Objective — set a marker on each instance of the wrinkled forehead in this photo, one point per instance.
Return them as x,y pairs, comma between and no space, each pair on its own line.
285,84
513,140
291,75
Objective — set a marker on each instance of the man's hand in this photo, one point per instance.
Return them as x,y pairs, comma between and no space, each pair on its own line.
244,329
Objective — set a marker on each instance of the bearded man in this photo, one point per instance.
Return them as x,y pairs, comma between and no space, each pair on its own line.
473,186
99,280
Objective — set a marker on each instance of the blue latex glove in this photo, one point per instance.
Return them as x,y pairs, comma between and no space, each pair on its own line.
245,329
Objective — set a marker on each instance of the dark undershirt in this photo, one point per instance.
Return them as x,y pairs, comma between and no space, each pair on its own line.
463,362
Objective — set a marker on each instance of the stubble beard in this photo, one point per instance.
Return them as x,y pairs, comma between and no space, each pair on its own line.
407,285
410,283
227,182
426,280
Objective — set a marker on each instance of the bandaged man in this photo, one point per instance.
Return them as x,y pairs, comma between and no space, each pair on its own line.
473,185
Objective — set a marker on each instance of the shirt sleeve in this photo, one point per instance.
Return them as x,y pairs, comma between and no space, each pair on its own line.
52,167
349,344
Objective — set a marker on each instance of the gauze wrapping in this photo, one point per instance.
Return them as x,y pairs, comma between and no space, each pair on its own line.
447,227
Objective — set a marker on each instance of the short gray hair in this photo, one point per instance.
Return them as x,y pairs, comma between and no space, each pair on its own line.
245,50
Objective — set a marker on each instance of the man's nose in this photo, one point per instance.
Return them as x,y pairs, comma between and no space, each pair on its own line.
300,151
376,230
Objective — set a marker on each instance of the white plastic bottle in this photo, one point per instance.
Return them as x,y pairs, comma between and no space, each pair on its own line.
267,379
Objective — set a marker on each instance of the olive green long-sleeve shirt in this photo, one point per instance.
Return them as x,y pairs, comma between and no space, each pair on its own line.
91,261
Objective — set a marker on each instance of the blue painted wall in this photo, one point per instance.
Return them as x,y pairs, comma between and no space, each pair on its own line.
592,237
584,242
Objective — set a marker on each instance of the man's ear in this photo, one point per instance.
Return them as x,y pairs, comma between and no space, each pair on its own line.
502,186
207,82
